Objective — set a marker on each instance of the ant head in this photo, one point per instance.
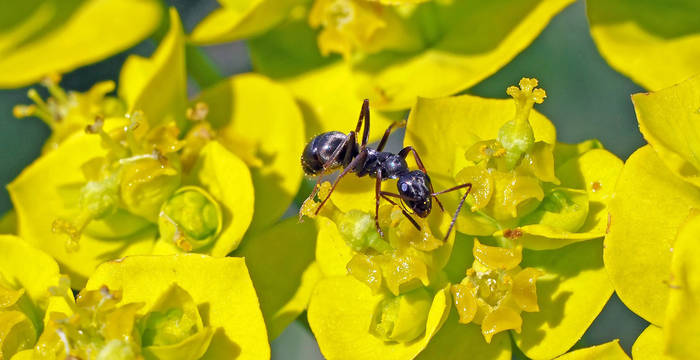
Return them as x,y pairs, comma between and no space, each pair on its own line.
414,188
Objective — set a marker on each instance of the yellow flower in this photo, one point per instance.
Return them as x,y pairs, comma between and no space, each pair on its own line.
496,290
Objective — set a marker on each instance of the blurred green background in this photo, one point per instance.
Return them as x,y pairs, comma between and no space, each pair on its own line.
586,99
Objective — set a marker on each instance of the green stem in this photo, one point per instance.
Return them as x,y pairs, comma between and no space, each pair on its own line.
201,67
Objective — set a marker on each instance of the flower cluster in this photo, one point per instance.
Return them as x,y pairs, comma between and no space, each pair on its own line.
157,221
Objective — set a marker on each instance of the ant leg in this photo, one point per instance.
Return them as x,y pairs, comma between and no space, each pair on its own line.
358,159
404,153
365,131
386,195
461,203
377,192
388,131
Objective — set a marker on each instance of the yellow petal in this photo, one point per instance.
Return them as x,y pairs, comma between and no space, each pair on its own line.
441,142
340,314
455,341
240,19
228,296
48,37
228,180
649,345
669,120
482,185
650,204
495,257
682,323
501,319
668,36
237,106
158,85
570,294
280,261
525,289
38,195
607,351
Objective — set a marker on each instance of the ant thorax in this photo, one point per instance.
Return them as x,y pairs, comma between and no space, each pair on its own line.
391,165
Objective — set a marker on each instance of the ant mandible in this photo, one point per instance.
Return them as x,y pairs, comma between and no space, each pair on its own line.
332,150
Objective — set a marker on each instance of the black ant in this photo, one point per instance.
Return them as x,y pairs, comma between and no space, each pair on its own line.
332,150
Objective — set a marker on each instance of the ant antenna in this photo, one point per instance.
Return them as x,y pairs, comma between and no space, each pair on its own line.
459,207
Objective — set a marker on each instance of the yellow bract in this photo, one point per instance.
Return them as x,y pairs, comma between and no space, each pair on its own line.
157,86
341,312
41,38
669,121
667,34
607,351
237,107
231,303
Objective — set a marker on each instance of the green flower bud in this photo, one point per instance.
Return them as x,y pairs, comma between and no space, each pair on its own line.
565,209
173,327
402,318
359,231
516,135
191,218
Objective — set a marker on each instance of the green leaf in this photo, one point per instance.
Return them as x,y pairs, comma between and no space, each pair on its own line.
220,287
40,38
682,325
650,204
340,314
455,340
570,295
158,85
666,33
281,264
237,108
649,345
442,130
608,351
236,20
669,121
48,190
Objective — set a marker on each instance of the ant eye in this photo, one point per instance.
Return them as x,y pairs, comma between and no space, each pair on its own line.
404,187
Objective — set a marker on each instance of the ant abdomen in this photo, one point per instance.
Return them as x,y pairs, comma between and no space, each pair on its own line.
320,151
414,188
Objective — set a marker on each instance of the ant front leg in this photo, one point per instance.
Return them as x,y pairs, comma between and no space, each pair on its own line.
404,153
377,194
386,194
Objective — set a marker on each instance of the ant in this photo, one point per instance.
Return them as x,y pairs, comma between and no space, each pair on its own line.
332,150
